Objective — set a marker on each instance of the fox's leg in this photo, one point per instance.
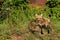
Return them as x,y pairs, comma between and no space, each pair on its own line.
48,28
41,29
40,26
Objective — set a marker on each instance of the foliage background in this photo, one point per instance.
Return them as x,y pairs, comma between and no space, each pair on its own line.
16,14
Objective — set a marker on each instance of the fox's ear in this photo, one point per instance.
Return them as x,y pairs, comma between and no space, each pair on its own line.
36,14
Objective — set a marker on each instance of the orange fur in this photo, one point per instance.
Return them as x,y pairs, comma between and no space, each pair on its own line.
43,21
39,21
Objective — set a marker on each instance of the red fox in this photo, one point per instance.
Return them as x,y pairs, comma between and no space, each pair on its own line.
41,23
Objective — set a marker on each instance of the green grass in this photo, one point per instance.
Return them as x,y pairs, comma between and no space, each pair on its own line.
18,21
18,24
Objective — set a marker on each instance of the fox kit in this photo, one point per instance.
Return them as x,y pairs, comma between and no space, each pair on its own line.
38,24
42,22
